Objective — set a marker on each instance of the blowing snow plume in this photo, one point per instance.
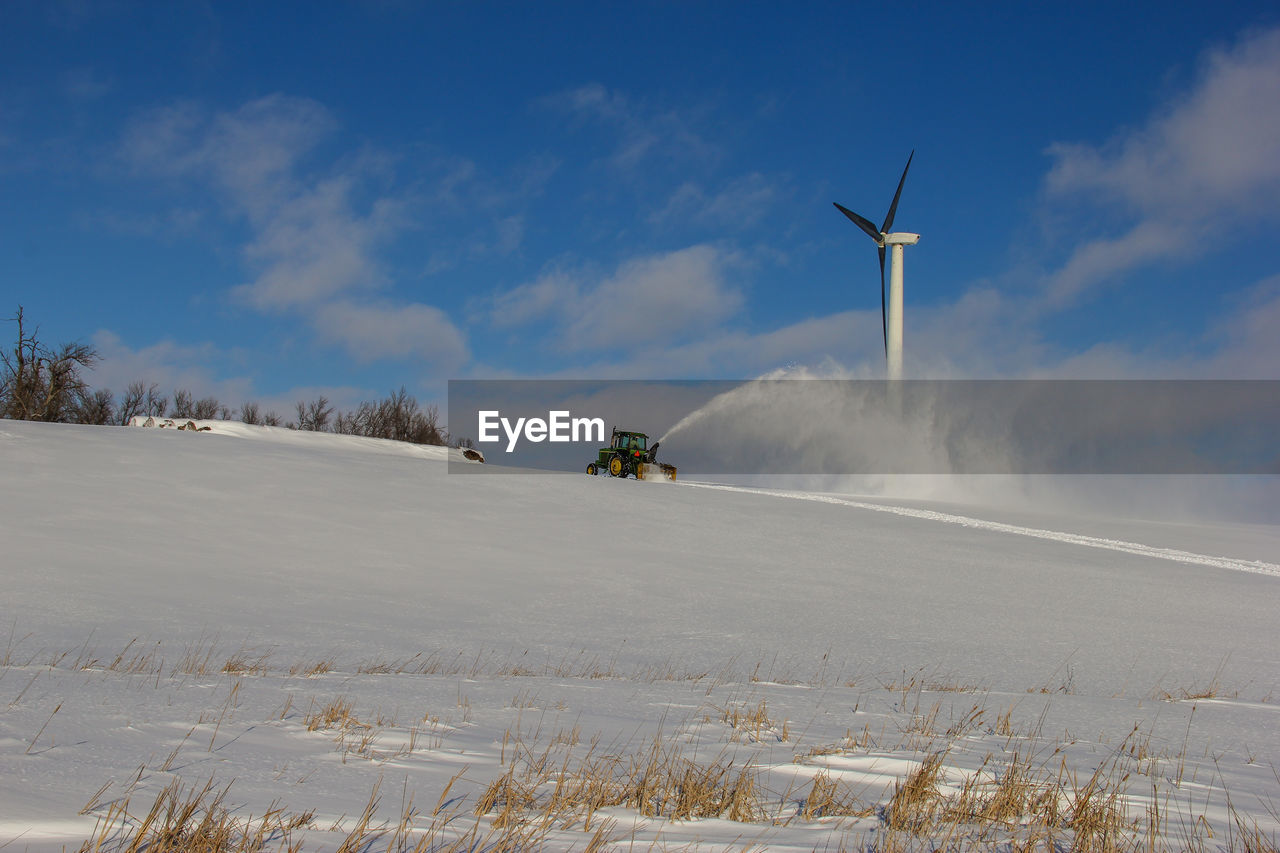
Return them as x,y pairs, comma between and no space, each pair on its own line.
1145,444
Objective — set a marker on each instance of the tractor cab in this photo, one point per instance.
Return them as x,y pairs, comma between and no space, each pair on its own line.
630,442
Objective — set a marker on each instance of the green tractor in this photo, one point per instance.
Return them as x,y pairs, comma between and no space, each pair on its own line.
628,453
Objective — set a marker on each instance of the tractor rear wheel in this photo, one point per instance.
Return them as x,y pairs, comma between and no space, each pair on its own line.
617,467
592,469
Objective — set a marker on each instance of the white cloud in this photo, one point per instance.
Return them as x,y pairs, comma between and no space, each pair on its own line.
739,204
643,133
169,365
255,150
555,289
378,331
1216,148
1249,336
1096,261
312,245
249,153
647,301
315,247
656,298
1207,162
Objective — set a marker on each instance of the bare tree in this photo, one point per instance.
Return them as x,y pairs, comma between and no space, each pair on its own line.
131,403
271,419
314,416
155,404
39,384
398,417
95,407
318,413
250,414
206,409
141,399
183,405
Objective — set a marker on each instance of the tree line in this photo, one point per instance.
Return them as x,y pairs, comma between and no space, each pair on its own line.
42,383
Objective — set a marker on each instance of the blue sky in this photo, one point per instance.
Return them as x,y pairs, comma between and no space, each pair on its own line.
270,201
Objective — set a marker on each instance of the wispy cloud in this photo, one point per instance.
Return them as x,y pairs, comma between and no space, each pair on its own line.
199,368
642,132
1248,337
1206,162
85,84
740,203
646,301
314,247
482,212
317,231
1096,261
249,154
309,243
384,330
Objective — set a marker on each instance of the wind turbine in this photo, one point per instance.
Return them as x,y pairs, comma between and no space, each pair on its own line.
891,313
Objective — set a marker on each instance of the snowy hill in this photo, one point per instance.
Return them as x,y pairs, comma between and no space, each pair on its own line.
180,605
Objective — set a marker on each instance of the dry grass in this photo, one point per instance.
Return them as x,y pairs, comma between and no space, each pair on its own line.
197,658
915,804
1004,723
192,821
1013,801
353,735
199,820
825,800
660,782
754,724
133,659
311,669
849,743
334,714
1212,690
32,745
206,656
1019,801
244,662
557,782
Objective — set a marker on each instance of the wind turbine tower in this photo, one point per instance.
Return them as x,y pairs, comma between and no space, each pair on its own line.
890,309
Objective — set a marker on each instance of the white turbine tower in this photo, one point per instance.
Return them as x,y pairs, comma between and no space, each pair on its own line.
890,312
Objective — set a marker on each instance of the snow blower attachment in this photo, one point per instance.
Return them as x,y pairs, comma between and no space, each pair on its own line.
628,453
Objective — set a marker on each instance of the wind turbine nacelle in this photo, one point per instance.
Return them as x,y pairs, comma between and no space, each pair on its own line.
901,238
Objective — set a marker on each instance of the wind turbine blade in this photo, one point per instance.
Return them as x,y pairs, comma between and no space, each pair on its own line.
884,314
861,222
893,208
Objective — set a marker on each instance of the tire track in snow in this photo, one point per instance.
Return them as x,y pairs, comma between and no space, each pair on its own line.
1258,567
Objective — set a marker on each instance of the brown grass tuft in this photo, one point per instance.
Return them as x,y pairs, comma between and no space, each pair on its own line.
754,723
194,821
826,800
336,713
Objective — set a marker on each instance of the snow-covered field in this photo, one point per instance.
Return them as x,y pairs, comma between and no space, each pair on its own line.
320,622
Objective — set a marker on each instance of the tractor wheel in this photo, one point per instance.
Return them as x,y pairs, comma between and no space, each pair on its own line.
592,469
617,467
